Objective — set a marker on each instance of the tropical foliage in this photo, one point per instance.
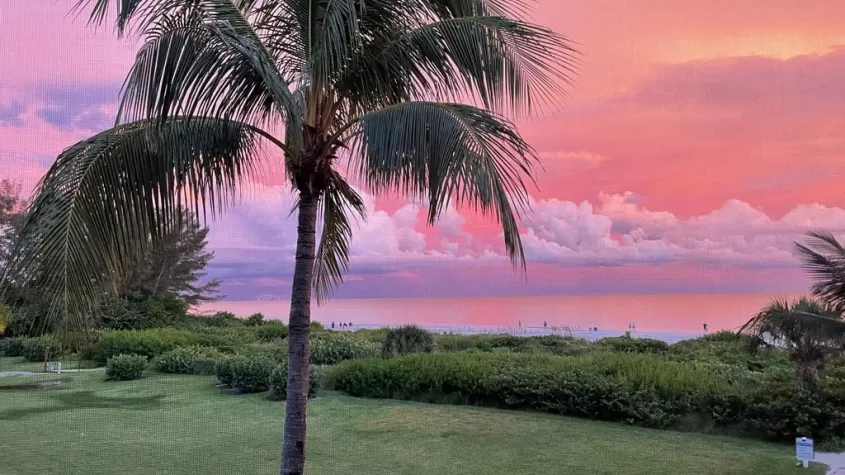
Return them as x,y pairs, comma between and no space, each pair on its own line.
811,330
374,83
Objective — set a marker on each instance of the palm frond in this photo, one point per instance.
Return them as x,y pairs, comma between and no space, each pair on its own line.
106,197
808,328
509,64
824,258
340,202
439,152
203,58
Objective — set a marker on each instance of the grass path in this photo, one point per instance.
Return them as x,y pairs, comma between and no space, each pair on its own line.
181,425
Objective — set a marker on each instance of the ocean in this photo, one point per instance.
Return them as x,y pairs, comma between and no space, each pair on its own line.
610,314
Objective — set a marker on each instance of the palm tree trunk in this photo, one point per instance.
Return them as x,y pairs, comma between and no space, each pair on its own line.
806,375
293,447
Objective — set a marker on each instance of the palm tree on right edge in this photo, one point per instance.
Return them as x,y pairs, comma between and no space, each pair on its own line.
812,330
375,83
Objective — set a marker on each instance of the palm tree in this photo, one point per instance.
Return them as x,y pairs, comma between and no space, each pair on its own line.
374,84
811,330
824,259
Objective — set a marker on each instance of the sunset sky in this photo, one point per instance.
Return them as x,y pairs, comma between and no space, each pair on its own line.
701,140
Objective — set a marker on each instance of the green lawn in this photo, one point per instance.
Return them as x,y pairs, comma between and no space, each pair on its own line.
181,425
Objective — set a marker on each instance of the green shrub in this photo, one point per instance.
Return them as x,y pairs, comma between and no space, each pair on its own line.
632,388
189,360
226,339
726,336
125,367
554,344
13,346
728,350
334,347
43,348
276,351
117,314
223,319
645,390
279,382
270,331
406,340
149,343
140,312
251,375
225,370
634,345
255,319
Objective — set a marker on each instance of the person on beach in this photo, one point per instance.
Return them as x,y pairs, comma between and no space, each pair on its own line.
332,325
545,324
705,328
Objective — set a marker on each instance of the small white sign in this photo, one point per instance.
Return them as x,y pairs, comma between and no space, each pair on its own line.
804,449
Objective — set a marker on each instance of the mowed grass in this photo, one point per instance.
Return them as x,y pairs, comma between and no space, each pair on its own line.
78,424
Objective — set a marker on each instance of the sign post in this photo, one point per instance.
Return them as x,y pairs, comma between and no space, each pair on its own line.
804,450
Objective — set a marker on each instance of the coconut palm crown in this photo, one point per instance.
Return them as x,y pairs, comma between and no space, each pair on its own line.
404,96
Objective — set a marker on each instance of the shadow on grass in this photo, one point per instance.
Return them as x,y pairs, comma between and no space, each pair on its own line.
68,401
50,384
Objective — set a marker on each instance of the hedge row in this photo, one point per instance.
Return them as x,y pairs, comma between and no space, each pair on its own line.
638,389
252,375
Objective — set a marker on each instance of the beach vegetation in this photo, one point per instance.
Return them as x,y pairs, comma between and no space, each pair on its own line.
250,375
407,339
811,331
198,360
632,388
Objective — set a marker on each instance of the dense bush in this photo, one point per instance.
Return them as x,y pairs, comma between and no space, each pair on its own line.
30,318
189,360
247,375
728,349
125,367
554,344
634,345
270,331
225,370
42,348
13,346
223,319
226,339
334,347
641,389
279,382
139,312
149,343
406,340
254,320
276,351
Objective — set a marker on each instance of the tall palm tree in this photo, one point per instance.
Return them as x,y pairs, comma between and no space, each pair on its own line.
374,84
811,330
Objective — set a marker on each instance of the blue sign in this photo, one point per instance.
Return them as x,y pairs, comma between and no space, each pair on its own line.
804,449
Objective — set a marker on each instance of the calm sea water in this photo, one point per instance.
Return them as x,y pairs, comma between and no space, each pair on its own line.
649,313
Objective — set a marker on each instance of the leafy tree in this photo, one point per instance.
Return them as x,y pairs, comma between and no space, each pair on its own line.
12,207
811,330
372,83
174,265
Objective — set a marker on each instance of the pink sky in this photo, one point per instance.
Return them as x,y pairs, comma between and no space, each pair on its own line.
701,139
